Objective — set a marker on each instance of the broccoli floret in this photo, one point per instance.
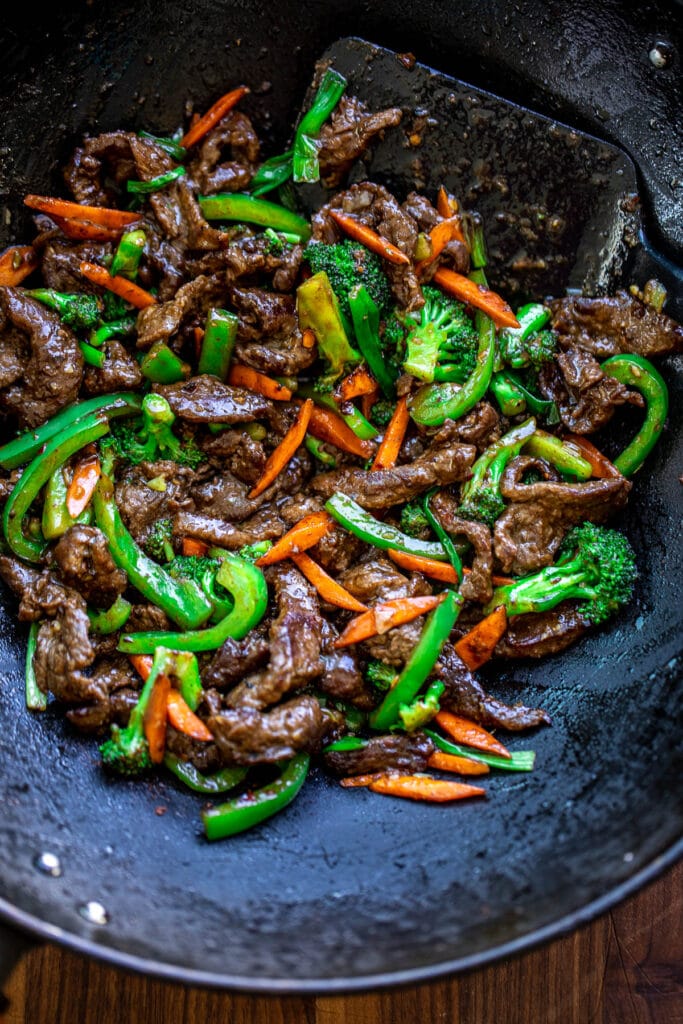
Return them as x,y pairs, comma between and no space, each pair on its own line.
532,343
76,310
480,498
380,675
202,570
382,411
422,710
443,343
252,552
158,541
349,263
151,437
114,307
595,565
127,751
414,522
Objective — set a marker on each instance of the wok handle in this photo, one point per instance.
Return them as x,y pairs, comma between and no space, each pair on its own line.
648,263
13,945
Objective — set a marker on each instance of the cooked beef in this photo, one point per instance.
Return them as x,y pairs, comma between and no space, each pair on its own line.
192,301
246,256
611,324
141,506
218,532
18,576
206,757
145,618
247,736
337,551
455,253
480,427
100,160
63,651
236,659
235,136
394,753
85,564
52,364
237,452
268,337
543,633
204,399
586,397
342,678
347,134
60,262
120,684
167,264
226,497
120,372
477,585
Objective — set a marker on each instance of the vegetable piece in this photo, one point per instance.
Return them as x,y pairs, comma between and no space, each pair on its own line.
600,465
416,714
36,700
218,343
477,646
529,344
101,215
220,782
255,806
92,356
639,373
243,208
83,230
330,427
380,675
252,380
56,519
442,571
169,145
184,719
347,265
384,616
16,263
304,534
159,541
419,666
425,788
413,520
151,437
346,743
285,451
127,290
213,115
76,310
394,435
481,499
442,342
203,570
453,763
358,781
82,486
315,447
305,166
469,291
110,619
179,666
327,587
447,230
562,454
155,184
161,365
194,547
123,326
318,310
470,735
273,173
321,393
595,565
518,761
369,238
128,255
514,397
445,538
365,315
154,718
358,383
356,520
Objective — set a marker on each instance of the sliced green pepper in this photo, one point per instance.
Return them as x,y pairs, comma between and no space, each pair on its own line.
563,455
381,535
253,807
36,700
365,316
345,743
126,325
92,356
235,206
444,537
56,518
169,145
639,373
354,419
128,254
317,450
162,366
110,619
154,184
520,761
220,782
218,343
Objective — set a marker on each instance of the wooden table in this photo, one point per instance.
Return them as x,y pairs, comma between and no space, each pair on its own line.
625,968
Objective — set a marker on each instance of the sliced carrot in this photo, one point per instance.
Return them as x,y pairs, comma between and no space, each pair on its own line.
445,231
252,380
286,449
477,646
82,486
394,435
369,238
453,763
327,426
468,733
601,465
198,333
437,570
446,205
424,787
142,663
121,286
16,263
367,402
328,588
102,215
308,338
476,295
353,781
359,382
305,534
213,115
385,616
183,718
85,230
194,547
154,721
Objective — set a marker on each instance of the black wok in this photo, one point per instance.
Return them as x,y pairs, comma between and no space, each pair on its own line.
346,890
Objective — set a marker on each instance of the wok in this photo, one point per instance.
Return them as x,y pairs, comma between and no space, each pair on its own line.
349,890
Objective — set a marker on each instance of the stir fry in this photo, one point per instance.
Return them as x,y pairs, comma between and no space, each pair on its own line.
276,488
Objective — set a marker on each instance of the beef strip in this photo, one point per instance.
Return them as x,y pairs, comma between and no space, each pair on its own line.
342,678
476,586
464,695
399,752
63,647
247,736
120,372
612,324
61,260
225,497
206,757
120,684
528,534
141,506
235,135
426,216
103,158
85,564
192,301
268,336
204,399
585,396
250,255
147,618
218,532
236,659
347,134
543,633
236,451
18,576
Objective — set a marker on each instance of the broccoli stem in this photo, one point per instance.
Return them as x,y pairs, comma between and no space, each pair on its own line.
305,165
92,356
563,455
125,325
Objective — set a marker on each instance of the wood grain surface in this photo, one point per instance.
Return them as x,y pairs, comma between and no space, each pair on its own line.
625,968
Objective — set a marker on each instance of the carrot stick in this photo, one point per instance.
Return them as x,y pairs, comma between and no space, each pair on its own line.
471,735
286,449
142,663
101,215
367,402
129,291
82,486
353,781
424,787
194,547
359,382
327,426
445,204
182,718
213,115
154,721
389,449
80,230
452,763
198,333
16,263
441,234
369,238
437,570
477,646
305,534
476,295
601,465
328,588
308,338
252,380
385,616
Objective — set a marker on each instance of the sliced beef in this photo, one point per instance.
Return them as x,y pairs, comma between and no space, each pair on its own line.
204,399
218,532
585,396
347,134
395,753
342,678
244,257
247,736
166,263
234,137
476,586
147,618
192,301
61,260
86,565
226,497
18,576
543,633
141,506
63,651
117,680
268,337
455,253
236,451
121,372
337,551
612,324
237,659
206,757
102,161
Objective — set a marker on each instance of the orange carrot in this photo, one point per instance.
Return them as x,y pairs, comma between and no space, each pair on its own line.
126,289
359,382
101,215
308,338
470,735
389,449
476,295
213,115
198,333
452,763
142,663
327,426
437,570
305,534
477,646
154,720
182,718
194,547
16,263
385,616
369,238
328,588
252,380
82,486
424,787
445,204
353,781
286,449
367,402
441,234
601,465
82,230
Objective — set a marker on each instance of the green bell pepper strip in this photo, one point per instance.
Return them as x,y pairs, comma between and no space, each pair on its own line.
563,455
36,700
532,318
162,366
255,806
354,420
128,254
510,399
421,663
305,166
315,447
56,519
344,744
110,619
28,444
220,782
444,537
181,599
356,520
169,146
154,184
239,207
638,373
218,343
183,668
92,356
365,316
37,474
248,586
126,325
318,310
272,174
520,761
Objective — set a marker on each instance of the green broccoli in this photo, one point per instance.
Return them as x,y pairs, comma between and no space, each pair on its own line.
595,565
414,522
76,310
252,552
349,263
202,570
158,543
127,751
531,344
382,411
380,675
442,344
480,498
151,437
422,710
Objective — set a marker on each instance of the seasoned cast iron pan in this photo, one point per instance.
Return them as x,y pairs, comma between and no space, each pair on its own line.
349,890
